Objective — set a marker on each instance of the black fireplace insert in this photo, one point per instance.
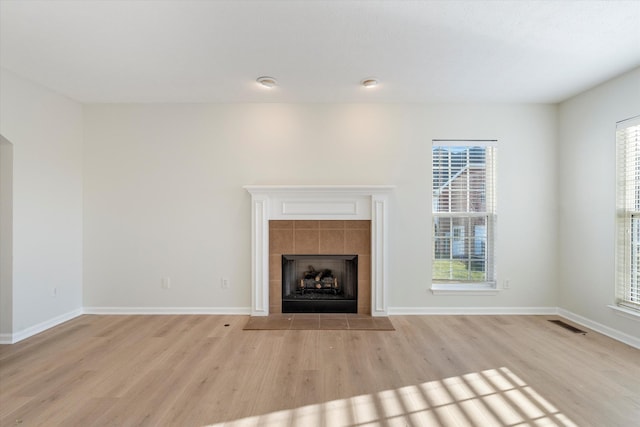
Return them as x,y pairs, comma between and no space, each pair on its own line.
319,283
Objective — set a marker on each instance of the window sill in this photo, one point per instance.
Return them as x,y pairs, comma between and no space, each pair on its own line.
464,289
625,312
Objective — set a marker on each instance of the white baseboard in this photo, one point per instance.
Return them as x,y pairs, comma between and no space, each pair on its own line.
488,311
599,327
397,311
168,310
40,327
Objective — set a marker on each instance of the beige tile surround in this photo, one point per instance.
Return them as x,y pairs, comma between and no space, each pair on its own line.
320,237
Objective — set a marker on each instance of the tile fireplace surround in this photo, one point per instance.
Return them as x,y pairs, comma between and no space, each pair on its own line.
318,203
319,237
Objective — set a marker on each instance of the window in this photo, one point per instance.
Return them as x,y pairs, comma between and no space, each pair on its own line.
464,213
628,213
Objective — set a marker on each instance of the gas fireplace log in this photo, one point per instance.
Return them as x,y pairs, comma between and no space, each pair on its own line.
310,273
318,281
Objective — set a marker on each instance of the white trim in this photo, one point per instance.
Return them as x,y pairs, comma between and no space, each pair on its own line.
464,289
464,142
484,311
598,327
40,327
379,251
631,121
169,310
318,202
626,312
340,189
259,255
626,256
303,208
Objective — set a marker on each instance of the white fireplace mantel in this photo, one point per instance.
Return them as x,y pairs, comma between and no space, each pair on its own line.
318,202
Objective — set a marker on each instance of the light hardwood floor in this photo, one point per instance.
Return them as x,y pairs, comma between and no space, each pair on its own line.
430,371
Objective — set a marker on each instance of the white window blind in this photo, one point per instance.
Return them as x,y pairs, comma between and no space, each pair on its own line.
628,213
464,212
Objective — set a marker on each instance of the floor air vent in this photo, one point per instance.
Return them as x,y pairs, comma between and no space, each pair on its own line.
568,326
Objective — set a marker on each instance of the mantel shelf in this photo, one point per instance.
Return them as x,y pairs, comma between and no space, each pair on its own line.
315,189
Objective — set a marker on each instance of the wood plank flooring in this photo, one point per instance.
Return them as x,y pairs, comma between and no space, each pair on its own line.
430,371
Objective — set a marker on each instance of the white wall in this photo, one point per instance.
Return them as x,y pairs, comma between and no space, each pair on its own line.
6,239
163,196
46,131
163,193
587,199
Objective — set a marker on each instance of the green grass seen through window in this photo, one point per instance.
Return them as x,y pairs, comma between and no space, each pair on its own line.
455,270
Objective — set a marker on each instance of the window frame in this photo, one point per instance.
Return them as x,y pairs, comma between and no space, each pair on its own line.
627,275
455,286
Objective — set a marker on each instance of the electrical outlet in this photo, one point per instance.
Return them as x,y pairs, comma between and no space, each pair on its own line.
506,284
224,283
166,282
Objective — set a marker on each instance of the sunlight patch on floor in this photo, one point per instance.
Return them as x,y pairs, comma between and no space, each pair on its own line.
495,397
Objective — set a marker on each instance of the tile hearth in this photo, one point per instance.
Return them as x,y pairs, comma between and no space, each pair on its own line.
311,321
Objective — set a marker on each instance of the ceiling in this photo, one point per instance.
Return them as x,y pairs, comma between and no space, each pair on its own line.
421,51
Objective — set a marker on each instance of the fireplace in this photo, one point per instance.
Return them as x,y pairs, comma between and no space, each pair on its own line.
319,283
351,204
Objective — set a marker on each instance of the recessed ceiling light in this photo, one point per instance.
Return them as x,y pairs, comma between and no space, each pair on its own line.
369,82
268,82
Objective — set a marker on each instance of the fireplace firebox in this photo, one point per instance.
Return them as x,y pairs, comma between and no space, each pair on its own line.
319,283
